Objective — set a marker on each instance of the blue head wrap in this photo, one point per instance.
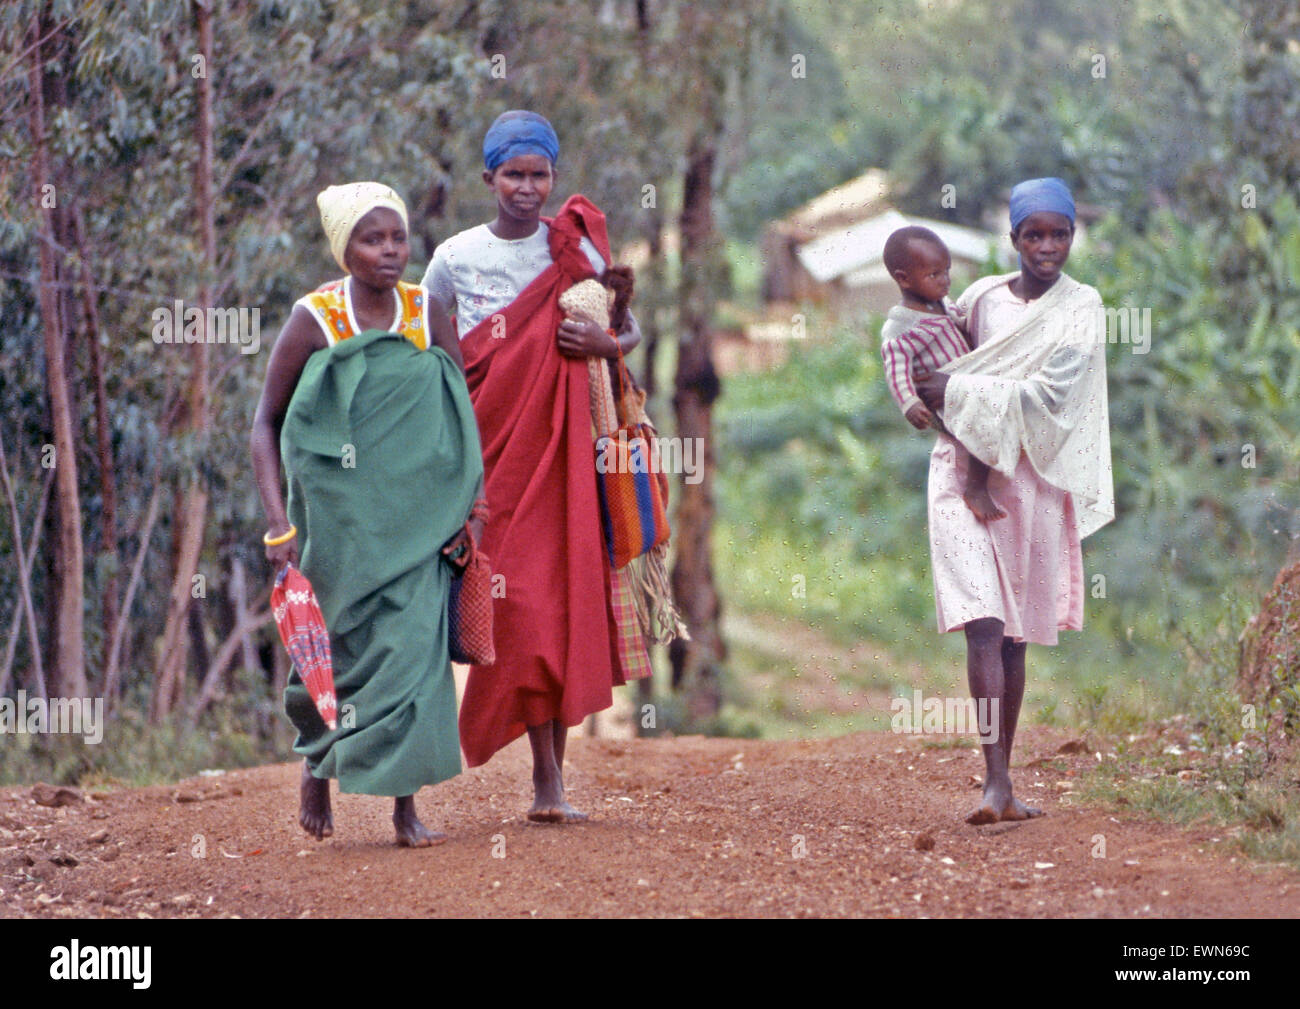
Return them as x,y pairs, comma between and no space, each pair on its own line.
519,132
1034,195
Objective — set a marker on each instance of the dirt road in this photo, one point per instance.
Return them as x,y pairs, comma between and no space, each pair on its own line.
868,824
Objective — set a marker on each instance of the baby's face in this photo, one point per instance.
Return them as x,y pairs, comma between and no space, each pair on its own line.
926,274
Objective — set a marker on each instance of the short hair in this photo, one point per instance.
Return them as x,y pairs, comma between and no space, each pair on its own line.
898,244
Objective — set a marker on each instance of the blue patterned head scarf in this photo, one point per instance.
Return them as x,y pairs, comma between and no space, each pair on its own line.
1034,195
519,132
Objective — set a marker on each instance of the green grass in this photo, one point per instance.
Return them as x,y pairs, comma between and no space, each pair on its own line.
1259,807
1190,754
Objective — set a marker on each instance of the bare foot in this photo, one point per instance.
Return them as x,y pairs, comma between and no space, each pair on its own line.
314,814
1017,810
560,812
997,799
411,833
982,504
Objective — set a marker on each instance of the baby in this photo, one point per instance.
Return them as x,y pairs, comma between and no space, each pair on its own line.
923,329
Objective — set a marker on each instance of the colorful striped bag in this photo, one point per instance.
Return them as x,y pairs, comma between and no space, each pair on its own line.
633,487
642,597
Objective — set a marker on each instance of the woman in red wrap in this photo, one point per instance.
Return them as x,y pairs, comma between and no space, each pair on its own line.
562,637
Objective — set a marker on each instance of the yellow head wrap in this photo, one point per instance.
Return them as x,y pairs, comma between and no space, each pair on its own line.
341,207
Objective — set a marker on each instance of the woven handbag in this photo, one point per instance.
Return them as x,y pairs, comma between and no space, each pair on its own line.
469,611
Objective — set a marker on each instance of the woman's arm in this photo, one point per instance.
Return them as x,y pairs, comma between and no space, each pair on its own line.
995,418
443,333
453,547
630,337
441,291
930,386
298,340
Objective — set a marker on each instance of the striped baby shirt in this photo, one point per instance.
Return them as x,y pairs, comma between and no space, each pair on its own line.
909,335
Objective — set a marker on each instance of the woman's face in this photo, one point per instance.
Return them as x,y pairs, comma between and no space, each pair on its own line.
1043,241
522,185
378,250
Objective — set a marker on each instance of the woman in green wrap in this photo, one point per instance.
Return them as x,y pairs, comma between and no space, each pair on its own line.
366,406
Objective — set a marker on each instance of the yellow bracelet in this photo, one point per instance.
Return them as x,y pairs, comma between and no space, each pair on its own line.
275,541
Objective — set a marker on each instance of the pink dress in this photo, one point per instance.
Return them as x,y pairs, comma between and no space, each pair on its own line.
1026,569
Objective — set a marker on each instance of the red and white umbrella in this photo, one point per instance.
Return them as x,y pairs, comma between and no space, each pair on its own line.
302,628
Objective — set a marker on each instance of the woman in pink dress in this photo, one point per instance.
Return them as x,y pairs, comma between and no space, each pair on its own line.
1030,401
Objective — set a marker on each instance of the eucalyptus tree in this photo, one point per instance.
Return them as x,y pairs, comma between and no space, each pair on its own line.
190,141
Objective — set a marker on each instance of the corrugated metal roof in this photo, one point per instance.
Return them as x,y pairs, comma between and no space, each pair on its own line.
850,201
852,249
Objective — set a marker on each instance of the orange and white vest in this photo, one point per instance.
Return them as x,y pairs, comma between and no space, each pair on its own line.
331,306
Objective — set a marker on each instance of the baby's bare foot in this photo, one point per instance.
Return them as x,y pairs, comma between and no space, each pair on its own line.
982,504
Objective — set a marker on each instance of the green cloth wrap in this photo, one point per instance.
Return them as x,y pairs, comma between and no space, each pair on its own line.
382,452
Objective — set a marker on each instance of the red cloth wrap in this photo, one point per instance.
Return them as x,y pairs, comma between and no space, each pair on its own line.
555,645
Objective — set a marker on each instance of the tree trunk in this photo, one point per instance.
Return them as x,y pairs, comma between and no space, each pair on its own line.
103,435
25,558
193,515
652,285
68,675
118,637
695,663
652,232
280,669
171,660
239,597
211,686
653,282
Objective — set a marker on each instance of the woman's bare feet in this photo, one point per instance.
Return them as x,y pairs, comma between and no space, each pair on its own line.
411,833
982,504
999,804
555,812
997,799
1017,810
314,814
549,804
